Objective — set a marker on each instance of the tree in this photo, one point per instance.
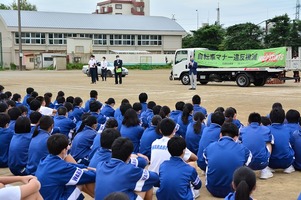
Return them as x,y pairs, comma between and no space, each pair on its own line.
295,35
209,36
279,34
243,36
23,4
4,7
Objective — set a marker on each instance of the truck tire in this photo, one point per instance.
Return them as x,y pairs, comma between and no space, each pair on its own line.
109,73
242,80
185,79
88,73
259,82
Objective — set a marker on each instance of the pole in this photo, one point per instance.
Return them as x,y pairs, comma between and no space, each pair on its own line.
197,19
20,37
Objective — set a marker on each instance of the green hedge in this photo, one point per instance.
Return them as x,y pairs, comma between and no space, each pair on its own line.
148,66
71,66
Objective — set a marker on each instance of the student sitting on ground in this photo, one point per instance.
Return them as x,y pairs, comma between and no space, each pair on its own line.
6,135
222,158
244,183
179,186
60,179
184,119
61,121
132,180
175,113
296,144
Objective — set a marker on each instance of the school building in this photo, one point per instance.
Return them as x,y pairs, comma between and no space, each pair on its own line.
77,35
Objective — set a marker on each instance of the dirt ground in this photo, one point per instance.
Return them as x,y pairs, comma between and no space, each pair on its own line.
165,92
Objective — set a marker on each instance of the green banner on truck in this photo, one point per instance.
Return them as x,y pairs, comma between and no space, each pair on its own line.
255,58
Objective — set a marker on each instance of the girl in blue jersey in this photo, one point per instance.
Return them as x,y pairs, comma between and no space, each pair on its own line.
5,137
18,149
194,132
83,140
38,144
244,183
184,119
131,128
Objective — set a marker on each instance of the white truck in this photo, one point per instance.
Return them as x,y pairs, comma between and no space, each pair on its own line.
243,66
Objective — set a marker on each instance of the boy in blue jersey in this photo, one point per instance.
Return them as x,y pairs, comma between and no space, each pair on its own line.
292,117
6,135
29,90
174,115
78,111
282,156
222,159
210,134
62,122
296,145
93,97
258,139
196,101
95,107
149,112
179,186
60,179
117,176
13,113
143,100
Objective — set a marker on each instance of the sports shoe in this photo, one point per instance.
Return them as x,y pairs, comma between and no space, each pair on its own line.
272,170
266,173
196,193
289,170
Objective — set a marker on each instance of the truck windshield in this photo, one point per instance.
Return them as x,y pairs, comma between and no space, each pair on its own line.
181,56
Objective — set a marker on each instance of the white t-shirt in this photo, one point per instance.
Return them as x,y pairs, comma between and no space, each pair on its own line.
104,64
159,153
10,193
92,63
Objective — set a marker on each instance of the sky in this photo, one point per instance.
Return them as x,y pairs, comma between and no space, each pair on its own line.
190,14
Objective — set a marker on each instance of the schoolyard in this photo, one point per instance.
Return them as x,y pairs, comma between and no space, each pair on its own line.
165,92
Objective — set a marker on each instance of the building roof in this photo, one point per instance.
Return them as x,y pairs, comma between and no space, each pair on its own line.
59,20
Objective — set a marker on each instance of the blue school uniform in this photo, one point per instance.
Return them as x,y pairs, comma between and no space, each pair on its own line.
174,115
148,137
24,102
117,113
183,127
296,144
193,139
292,127
210,134
101,119
81,144
198,108
6,135
59,178
56,106
177,187
130,179
95,145
87,104
36,151
144,107
18,153
134,133
231,196
11,125
255,137
144,117
65,124
223,158
108,111
119,121
282,153
77,113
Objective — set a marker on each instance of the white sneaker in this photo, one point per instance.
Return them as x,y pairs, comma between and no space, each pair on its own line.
266,173
196,193
289,170
272,170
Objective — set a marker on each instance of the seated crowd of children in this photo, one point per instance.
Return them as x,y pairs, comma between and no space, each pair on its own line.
59,149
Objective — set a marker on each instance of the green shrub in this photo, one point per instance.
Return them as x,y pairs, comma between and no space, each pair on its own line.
71,66
13,66
148,66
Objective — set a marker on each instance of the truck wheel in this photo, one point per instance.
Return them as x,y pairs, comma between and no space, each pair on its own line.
204,82
242,80
259,82
109,73
185,79
88,73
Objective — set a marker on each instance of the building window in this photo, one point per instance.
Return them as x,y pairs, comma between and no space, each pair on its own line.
31,38
31,60
149,40
86,35
99,39
125,40
118,6
48,59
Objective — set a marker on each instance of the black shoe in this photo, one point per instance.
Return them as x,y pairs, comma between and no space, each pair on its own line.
190,89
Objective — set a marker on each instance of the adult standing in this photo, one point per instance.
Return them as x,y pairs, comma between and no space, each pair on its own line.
192,73
92,69
118,70
296,72
104,66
